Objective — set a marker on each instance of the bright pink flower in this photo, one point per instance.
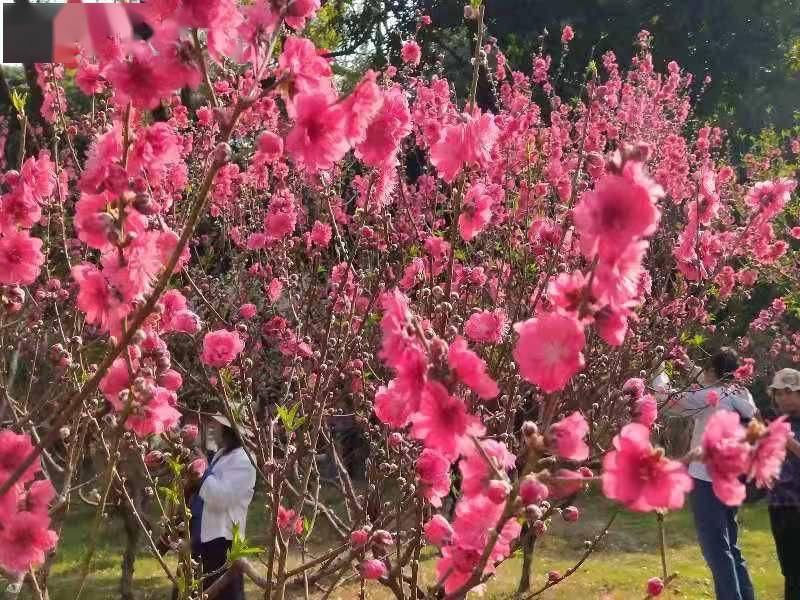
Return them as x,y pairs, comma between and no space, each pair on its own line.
155,147
156,416
288,521
433,473
567,34
321,234
476,473
88,78
641,477
438,531
139,78
712,397
548,352
274,289
308,72
221,347
198,466
476,212
115,380
443,423
470,142
297,11
487,326
616,281
619,210
14,448
471,369
372,568
189,433
386,131
248,311
97,298
318,137
18,208
185,321
269,146
359,537
20,258
361,106
40,494
726,455
770,452
24,540
645,410
411,53
567,435
795,232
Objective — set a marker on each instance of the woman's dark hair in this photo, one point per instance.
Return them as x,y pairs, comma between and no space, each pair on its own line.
725,362
230,440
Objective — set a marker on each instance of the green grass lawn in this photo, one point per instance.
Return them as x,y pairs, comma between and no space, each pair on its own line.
617,570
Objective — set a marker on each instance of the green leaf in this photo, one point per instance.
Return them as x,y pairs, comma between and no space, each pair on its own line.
169,494
239,548
18,101
289,417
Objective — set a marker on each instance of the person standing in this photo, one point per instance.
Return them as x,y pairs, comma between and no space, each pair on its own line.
221,500
715,521
784,497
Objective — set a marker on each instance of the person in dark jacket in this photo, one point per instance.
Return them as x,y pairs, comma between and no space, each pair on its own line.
784,497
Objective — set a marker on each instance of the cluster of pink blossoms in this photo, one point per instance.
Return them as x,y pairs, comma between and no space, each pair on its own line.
25,535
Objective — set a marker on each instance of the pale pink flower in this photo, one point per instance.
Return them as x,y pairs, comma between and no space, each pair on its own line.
24,540
20,258
471,369
317,139
769,197
443,423
640,476
221,347
770,452
489,327
567,435
411,53
548,352
476,212
619,210
726,455
438,531
433,474
476,473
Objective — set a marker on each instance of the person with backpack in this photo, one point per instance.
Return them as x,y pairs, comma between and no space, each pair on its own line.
715,521
784,497
220,501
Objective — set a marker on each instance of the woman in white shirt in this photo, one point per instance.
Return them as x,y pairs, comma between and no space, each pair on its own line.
221,500
715,522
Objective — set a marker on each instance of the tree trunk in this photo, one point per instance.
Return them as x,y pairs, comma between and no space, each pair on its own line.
528,544
132,536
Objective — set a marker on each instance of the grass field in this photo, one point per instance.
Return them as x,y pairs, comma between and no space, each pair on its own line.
617,570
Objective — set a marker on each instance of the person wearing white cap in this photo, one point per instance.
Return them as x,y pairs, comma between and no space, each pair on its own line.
784,497
221,500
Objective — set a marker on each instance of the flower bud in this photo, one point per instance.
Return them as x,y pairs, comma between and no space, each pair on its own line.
372,569
655,586
383,538
498,491
359,537
221,154
571,514
532,491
